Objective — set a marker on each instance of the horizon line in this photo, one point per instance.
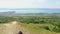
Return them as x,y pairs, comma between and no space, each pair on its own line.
29,8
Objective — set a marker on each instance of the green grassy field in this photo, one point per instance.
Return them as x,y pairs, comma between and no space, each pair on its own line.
38,28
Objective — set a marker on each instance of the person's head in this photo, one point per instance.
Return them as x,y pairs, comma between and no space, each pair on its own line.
20,32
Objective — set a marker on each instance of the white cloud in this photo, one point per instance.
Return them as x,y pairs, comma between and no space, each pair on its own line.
41,1
29,4
20,3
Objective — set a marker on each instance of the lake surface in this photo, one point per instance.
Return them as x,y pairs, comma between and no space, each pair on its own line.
32,10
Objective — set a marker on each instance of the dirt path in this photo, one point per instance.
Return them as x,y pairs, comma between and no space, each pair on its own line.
12,28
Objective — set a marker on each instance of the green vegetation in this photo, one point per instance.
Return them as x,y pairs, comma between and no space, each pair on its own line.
51,23
36,23
37,28
5,19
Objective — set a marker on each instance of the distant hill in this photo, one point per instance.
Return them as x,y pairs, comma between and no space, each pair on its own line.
7,13
13,13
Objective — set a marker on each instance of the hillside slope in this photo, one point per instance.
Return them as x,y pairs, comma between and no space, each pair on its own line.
14,28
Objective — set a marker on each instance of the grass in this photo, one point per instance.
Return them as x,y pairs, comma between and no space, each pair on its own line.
35,28
38,28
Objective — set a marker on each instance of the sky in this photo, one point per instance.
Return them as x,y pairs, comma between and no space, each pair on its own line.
29,4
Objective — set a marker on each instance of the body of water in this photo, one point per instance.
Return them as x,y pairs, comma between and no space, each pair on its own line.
33,10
